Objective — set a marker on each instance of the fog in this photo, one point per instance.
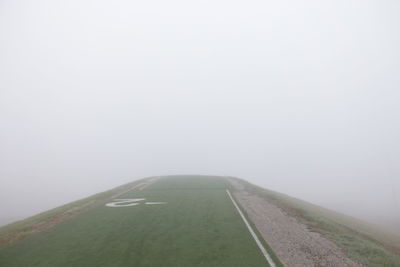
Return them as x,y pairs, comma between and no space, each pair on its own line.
301,97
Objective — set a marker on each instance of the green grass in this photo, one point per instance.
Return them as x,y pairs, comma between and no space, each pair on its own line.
361,242
14,232
198,226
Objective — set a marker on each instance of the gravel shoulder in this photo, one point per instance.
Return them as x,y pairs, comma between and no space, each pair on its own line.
292,241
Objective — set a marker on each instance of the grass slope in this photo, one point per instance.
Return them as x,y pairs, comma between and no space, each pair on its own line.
360,241
198,226
20,230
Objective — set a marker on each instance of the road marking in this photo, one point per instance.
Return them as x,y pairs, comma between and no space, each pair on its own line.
155,203
139,186
263,250
127,202
126,191
150,182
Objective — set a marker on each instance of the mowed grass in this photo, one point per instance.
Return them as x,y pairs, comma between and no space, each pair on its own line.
16,231
198,226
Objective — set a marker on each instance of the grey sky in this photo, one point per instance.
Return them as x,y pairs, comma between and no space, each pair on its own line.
297,96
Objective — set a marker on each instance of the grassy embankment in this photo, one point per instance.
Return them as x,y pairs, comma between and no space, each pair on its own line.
22,229
360,241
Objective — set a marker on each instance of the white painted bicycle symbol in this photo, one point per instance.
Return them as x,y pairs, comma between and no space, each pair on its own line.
127,202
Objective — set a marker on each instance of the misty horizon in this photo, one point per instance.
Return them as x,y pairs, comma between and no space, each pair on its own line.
300,98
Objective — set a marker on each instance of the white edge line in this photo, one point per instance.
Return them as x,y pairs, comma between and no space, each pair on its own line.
144,185
126,191
263,250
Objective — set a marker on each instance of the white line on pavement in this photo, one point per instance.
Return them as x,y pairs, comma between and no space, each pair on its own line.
126,191
263,250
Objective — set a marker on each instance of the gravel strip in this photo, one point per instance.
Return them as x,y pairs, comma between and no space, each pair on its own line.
293,243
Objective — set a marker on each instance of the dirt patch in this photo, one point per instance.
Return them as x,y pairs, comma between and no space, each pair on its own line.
59,218
19,232
43,225
292,241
